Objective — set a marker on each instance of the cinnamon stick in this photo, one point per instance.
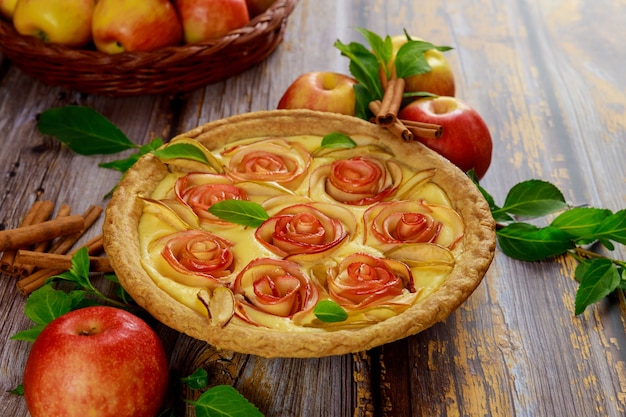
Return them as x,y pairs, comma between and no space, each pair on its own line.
38,278
424,130
390,105
59,261
39,211
21,237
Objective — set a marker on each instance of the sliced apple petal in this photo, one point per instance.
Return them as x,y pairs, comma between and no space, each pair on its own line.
220,305
421,255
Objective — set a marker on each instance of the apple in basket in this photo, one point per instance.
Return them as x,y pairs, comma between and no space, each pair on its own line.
7,7
466,140
135,25
96,361
67,23
439,80
323,91
210,19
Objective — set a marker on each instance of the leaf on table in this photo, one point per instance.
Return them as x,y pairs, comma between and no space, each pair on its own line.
83,130
613,228
527,242
198,380
224,401
598,278
533,198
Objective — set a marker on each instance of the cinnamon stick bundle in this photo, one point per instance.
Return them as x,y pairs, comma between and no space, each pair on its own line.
60,261
397,127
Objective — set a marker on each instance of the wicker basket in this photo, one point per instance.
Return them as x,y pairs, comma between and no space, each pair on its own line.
168,70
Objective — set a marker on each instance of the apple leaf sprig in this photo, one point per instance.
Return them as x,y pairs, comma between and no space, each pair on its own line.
87,132
569,233
48,303
219,400
366,63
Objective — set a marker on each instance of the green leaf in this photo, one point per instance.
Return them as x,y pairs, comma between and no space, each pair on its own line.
599,279
337,140
533,198
245,213
83,130
29,335
121,165
613,228
198,380
224,401
46,304
364,67
499,215
19,390
181,150
362,99
329,311
580,222
383,49
527,242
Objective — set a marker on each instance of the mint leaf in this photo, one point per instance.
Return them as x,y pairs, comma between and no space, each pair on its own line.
46,304
533,198
364,66
198,380
581,222
29,335
83,130
383,49
245,213
224,401
329,311
19,390
337,140
527,242
181,150
599,278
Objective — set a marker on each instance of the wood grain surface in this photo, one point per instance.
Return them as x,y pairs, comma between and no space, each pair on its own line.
548,78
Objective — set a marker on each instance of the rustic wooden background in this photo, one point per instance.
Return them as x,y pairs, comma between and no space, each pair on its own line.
547,76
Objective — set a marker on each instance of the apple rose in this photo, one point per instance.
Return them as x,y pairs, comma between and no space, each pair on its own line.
358,181
267,289
196,258
199,191
274,159
311,230
412,222
362,280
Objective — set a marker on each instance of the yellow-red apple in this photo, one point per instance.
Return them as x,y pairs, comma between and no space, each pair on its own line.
96,361
256,7
135,25
7,7
66,23
439,80
465,141
323,91
210,19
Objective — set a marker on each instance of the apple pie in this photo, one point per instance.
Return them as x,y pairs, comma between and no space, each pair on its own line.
298,234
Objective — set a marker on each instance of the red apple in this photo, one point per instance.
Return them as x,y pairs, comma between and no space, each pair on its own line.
465,140
322,91
209,19
256,7
96,361
135,25
439,80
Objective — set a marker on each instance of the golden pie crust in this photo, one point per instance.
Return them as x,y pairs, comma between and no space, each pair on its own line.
121,238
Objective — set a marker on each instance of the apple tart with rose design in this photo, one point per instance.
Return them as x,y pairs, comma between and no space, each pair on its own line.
302,234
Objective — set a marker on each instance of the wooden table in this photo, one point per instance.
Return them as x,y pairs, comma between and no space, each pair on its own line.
547,76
